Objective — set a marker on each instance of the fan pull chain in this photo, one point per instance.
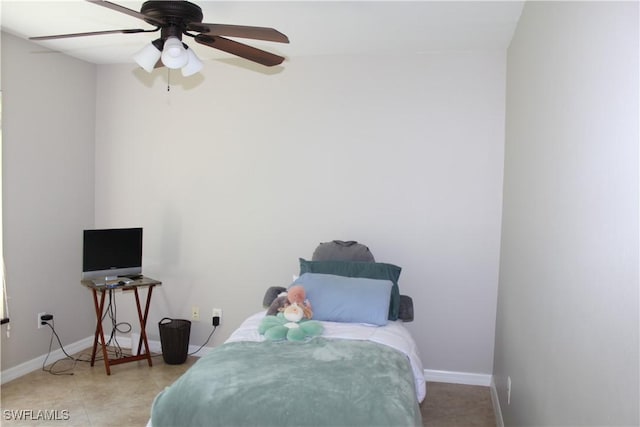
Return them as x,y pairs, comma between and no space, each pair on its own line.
168,79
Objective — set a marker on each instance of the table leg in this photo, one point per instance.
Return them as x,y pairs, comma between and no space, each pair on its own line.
143,324
99,335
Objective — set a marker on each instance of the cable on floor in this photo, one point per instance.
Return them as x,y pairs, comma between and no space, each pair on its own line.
205,343
117,352
44,362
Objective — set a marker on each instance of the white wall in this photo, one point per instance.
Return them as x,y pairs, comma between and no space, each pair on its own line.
237,175
567,326
48,147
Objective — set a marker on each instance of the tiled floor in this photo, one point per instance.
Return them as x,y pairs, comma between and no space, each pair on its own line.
90,398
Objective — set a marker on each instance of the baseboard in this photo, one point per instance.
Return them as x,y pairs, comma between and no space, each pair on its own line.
35,364
496,403
457,377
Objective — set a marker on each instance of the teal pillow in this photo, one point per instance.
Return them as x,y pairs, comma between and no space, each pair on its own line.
347,299
368,270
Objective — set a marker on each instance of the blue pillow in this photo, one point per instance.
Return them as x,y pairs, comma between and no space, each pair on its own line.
347,299
369,270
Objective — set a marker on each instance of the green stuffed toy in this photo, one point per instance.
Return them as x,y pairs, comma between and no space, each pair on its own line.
289,324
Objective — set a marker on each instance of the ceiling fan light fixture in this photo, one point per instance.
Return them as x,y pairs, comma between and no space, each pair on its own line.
147,57
193,65
174,55
176,18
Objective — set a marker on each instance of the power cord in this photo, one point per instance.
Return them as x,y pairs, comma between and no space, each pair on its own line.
199,348
111,312
44,363
118,352
50,369
206,342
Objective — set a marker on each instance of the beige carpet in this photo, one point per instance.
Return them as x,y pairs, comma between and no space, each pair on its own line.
455,405
90,398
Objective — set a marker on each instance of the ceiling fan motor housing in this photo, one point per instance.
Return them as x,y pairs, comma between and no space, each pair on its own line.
175,15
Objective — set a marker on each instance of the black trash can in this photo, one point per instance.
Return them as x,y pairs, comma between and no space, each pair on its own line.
174,339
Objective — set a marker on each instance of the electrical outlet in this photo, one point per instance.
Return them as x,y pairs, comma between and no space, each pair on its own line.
195,313
508,390
217,312
40,325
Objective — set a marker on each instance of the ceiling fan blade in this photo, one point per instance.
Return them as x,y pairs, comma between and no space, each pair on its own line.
242,31
92,33
240,49
127,11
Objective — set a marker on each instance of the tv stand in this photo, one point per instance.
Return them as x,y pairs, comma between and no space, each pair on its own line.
98,301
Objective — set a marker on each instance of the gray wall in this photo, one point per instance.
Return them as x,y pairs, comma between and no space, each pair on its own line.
567,322
48,187
236,176
237,173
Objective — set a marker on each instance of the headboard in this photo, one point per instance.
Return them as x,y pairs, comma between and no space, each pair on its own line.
339,250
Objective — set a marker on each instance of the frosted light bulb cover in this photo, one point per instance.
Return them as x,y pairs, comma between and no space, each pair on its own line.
193,65
147,57
174,54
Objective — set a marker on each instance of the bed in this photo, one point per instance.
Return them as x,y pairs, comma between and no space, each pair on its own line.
363,370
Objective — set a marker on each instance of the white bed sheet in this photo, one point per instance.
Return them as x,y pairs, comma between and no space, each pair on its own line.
394,335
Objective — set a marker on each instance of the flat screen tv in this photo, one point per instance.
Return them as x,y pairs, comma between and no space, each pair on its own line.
110,253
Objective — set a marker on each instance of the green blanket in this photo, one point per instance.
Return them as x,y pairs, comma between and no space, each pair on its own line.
316,383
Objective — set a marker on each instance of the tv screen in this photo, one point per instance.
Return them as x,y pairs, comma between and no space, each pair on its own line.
110,253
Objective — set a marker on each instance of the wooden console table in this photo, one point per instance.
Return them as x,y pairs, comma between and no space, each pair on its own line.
142,282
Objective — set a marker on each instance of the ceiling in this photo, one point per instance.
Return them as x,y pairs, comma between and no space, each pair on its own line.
313,27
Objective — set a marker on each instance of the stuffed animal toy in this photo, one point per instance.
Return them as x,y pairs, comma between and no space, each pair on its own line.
297,295
278,304
289,324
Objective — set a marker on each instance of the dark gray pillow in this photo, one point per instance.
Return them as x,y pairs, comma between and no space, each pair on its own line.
339,250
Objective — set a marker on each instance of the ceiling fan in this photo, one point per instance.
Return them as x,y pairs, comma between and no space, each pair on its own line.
177,18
